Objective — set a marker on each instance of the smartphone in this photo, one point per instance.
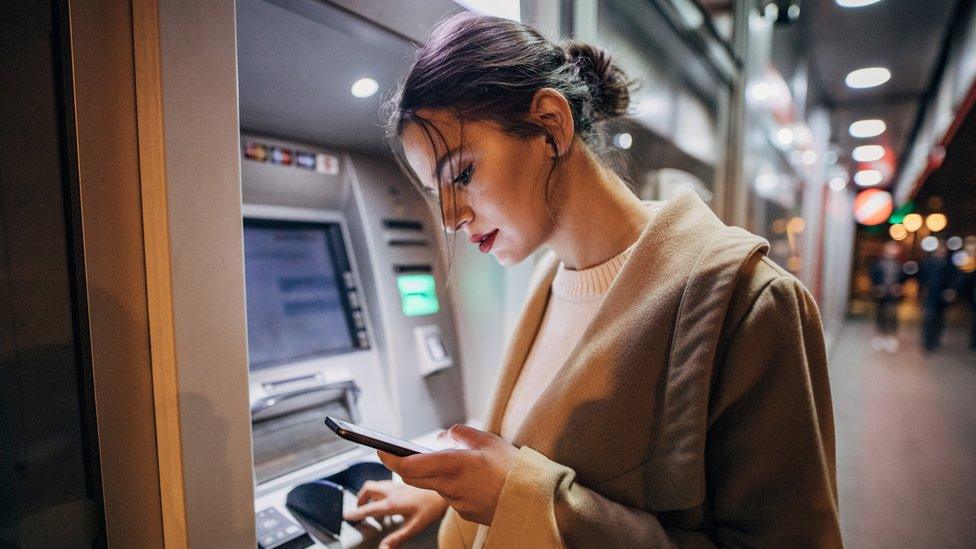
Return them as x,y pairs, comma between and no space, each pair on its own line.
374,439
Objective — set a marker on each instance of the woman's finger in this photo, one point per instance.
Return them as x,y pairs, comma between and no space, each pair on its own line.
376,509
434,464
369,493
446,487
409,529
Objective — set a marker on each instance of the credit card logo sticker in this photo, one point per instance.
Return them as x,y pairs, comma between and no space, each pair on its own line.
327,164
257,152
281,156
305,160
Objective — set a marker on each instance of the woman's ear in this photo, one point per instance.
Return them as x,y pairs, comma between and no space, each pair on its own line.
550,108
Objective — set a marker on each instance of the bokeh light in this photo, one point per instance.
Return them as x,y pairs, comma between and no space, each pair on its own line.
898,231
936,222
913,222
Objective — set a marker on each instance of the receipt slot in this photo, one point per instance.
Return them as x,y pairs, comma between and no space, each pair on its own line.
432,354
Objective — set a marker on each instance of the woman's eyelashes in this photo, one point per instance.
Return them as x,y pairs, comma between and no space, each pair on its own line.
465,176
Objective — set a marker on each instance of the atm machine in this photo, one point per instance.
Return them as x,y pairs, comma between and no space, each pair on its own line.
346,317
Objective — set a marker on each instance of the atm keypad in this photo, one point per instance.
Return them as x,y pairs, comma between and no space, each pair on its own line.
274,529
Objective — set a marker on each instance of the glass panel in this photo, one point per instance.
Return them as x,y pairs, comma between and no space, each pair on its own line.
49,495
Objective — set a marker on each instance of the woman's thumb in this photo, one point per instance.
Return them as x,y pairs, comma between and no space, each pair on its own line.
468,437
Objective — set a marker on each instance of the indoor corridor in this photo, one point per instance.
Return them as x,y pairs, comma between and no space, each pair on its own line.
906,438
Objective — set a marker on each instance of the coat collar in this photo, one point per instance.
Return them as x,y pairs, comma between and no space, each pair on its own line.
686,246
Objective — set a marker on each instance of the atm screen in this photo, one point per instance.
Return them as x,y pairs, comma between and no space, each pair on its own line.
297,294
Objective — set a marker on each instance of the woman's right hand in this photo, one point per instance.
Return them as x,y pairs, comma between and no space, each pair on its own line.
419,508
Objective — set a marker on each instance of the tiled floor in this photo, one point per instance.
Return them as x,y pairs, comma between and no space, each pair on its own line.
906,440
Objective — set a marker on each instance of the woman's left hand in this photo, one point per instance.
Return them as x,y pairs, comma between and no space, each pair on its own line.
470,478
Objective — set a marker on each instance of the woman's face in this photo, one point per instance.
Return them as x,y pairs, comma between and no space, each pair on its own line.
491,184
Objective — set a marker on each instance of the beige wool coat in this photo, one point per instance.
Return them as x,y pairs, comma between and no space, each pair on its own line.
694,411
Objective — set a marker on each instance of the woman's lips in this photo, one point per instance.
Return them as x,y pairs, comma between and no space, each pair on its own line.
487,241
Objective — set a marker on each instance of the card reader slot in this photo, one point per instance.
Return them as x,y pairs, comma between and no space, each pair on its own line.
408,242
403,224
403,269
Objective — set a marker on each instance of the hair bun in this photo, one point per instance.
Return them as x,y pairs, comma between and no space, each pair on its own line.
609,83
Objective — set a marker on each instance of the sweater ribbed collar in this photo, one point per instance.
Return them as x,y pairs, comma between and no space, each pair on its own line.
589,283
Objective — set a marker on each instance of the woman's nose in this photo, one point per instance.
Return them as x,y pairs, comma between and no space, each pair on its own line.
456,216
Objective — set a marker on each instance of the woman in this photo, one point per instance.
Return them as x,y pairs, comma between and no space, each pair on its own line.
666,383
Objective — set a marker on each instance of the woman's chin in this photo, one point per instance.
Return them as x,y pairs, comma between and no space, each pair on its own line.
506,259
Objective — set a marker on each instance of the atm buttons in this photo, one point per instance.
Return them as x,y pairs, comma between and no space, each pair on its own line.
357,319
363,340
347,278
353,300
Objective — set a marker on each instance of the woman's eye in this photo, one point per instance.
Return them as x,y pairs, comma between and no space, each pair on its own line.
465,176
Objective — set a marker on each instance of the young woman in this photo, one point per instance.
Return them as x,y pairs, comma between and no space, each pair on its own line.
666,383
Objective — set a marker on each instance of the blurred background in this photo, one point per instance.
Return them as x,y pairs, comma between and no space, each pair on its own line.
842,131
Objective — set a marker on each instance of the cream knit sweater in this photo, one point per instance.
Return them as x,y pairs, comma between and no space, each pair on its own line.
576,296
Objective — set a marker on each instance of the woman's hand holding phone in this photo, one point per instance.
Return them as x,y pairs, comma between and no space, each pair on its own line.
470,478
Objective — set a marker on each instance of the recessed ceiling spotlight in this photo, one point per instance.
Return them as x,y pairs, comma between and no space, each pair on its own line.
856,3
868,178
785,136
868,153
871,127
623,140
793,12
364,87
868,77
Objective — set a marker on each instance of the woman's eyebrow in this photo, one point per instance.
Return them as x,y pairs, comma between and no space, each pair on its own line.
443,160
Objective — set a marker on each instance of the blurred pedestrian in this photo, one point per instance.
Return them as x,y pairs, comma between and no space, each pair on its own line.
971,292
937,279
887,280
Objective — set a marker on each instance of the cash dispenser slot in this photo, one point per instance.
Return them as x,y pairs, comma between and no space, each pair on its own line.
287,427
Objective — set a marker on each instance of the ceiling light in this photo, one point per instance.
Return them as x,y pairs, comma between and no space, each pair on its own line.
793,12
830,158
868,153
623,140
364,87
809,157
784,136
870,127
868,178
868,77
856,3
760,91
838,184
954,243
930,243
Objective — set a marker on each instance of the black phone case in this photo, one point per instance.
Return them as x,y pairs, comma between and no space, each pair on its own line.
368,441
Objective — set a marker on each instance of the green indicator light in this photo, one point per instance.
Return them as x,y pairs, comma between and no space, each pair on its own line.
418,294
898,216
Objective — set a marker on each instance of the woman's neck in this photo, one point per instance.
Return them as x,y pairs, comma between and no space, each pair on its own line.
597,216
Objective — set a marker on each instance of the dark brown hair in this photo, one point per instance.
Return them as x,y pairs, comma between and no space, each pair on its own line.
484,68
